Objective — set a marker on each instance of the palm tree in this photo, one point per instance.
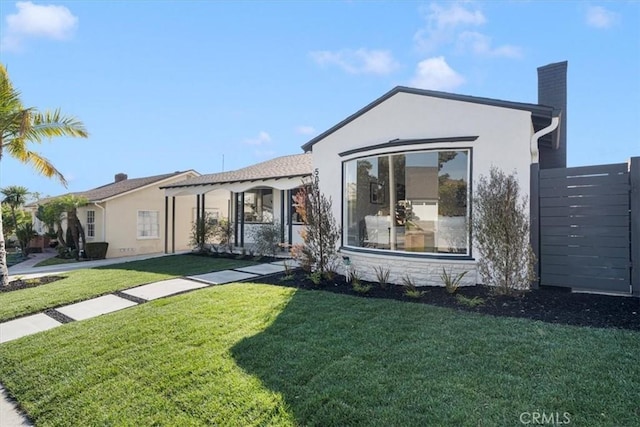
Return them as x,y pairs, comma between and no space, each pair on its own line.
15,196
19,127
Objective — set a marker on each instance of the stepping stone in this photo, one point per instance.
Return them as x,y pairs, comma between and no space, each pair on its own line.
262,269
95,307
165,288
224,276
292,263
14,329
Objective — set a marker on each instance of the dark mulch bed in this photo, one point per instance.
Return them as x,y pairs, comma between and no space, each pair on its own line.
553,305
17,284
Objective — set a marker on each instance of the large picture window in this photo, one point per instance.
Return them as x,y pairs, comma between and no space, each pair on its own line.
411,202
258,205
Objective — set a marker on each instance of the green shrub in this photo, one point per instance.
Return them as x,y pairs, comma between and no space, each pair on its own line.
382,274
501,232
451,282
360,287
97,250
410,288
266,238
469,302
316,277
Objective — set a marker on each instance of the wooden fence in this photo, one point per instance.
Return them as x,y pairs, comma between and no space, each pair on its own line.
588,227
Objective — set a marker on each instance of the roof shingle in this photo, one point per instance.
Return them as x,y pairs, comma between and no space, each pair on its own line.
281,167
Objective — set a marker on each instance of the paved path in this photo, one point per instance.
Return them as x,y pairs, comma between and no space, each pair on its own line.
28,325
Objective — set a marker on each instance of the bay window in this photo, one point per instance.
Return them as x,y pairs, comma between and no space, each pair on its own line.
410,202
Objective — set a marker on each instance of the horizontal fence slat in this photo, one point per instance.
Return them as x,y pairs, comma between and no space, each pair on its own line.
600,200
616,221
583,180
592,272
573,261
587,190
595,242
611,285
620,253
592,230
612,168
617,210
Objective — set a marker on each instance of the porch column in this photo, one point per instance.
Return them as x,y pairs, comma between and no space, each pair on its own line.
290,216
282,196
236,218
198,230
203,217
242,219
173,225
166,224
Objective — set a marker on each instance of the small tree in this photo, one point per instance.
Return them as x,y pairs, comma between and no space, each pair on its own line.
203,230
224,234
501,231
24,233
321,231
71,203
51,214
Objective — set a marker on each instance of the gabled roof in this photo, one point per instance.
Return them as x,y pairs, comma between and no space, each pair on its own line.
295,165
540,113
120,188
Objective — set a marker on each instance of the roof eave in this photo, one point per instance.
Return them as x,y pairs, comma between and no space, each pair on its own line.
235,181
535,109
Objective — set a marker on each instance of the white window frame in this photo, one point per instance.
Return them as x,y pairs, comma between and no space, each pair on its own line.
146,228
91,224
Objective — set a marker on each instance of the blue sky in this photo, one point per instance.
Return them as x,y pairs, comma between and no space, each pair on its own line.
166,85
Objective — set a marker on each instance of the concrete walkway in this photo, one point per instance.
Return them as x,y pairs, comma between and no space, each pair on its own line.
27,268
28,325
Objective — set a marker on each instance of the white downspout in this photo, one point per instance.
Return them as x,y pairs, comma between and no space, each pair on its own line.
535,153
104,221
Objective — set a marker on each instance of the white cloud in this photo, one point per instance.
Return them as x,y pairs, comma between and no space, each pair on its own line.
456,24
436,74
443,24
599,17
361,61
480,44
305,130
262,138
37,21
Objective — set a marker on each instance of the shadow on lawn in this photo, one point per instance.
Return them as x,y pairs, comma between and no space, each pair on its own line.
340,360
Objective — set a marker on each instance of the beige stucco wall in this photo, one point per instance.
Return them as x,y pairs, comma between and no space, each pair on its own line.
116,219
503,141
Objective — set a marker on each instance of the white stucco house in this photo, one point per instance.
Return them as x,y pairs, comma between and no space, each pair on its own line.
252,196
401,171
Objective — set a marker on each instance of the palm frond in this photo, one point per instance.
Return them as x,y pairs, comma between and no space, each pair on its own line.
50,124
43,166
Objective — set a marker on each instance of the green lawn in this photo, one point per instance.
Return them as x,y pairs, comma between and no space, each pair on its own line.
88,283
244,354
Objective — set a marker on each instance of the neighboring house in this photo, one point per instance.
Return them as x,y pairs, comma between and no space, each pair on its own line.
256,195
402,171
130,214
